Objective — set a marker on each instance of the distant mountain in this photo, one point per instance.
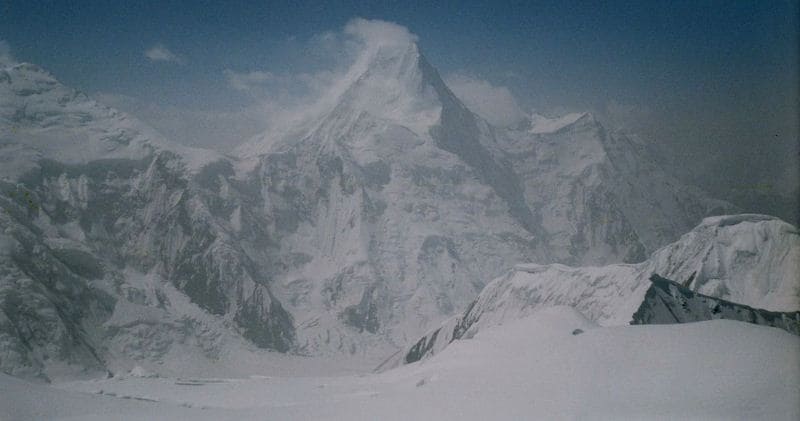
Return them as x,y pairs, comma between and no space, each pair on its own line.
352,231
115,245
725,266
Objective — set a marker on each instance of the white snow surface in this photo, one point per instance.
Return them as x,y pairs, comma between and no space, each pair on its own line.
531,368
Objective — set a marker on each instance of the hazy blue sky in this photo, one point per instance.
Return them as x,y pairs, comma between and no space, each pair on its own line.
714,84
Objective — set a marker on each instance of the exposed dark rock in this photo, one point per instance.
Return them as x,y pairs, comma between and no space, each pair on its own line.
668,302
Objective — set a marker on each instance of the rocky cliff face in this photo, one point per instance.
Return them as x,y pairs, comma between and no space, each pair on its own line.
668,302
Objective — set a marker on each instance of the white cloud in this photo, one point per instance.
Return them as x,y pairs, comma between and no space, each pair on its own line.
494,103
220,129
379,33
5,53
159,52
246,81
288,99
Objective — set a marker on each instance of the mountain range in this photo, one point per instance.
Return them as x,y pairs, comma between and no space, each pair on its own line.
352,231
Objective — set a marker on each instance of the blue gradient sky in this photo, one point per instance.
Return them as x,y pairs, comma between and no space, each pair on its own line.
710,81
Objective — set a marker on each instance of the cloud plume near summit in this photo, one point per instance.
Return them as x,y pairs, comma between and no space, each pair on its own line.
159,52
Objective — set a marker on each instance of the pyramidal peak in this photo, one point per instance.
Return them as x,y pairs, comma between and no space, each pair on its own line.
392,81
389,81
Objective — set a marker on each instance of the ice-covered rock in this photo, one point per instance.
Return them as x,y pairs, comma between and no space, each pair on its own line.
668,302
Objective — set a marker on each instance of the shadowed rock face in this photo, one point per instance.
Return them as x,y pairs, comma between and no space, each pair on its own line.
43,305
148,217
668,302
429,344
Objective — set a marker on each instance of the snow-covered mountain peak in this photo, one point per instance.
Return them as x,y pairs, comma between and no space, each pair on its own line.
746,258
46,119
390,83
388,52
394,84
721,221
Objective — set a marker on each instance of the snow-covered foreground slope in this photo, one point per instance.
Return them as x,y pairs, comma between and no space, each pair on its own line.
532,368
753,260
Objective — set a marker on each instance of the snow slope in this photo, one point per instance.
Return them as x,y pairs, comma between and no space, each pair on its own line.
600,196
748,259
709,370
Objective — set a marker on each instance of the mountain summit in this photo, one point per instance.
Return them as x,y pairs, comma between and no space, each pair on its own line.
389,80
